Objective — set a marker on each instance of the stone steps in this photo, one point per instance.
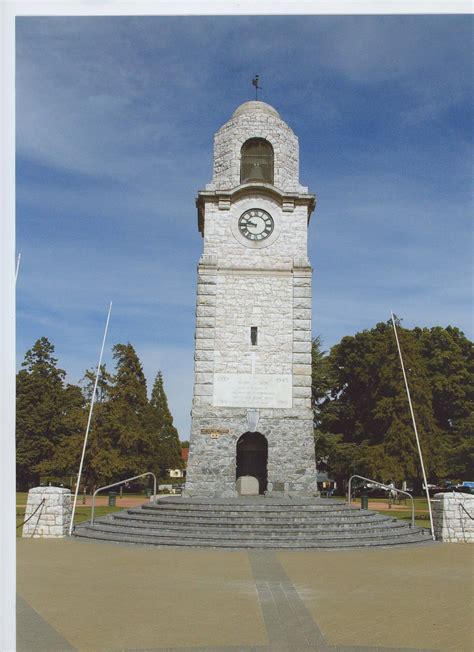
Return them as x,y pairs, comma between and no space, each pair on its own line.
251,523
263,524
216,533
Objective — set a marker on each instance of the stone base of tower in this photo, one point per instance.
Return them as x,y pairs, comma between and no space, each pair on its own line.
280,454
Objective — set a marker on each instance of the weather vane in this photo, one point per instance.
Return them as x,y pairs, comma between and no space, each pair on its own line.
257,87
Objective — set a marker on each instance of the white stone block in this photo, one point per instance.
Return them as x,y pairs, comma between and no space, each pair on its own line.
302,358
302,324
302,392
205,311
302,292
205,322
302,336
204,333
302,381
204,378
206,289
206,355
302,347
302,281
202,390
302,302
302,313
204,343
247,485
206,300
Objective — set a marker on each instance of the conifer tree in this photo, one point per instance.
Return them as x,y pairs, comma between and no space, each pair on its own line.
126,412
47,411
166,445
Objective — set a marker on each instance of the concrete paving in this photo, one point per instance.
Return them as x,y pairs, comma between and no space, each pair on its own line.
75,595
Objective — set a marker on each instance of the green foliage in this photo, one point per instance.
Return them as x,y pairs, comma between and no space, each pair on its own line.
129,435
362,419
164,436
47,411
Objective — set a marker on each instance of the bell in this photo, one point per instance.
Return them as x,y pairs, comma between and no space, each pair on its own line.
256,173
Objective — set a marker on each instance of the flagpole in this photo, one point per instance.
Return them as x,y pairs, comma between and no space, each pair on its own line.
17,267
414,428
89,421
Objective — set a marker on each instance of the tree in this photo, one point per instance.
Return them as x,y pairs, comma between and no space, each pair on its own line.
166,445
126,412
365,416
47,411
101,459
449,359
322,380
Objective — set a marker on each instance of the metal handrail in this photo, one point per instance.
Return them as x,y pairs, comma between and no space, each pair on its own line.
384,486
109,486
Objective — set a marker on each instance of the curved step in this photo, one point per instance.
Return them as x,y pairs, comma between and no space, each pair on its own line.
298,544
241,524
123,518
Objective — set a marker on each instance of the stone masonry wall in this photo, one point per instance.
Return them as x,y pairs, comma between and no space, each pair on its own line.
245,300
221,238
453,515
52,519
244,283
256,124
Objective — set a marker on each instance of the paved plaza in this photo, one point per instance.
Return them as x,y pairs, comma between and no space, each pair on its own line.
100,596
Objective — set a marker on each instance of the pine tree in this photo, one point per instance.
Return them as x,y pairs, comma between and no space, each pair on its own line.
166,445
126,412
101,462
47,411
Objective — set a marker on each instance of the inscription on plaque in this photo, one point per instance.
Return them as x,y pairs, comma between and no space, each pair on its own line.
252,390
215,433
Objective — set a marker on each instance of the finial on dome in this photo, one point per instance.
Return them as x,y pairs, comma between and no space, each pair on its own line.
257,87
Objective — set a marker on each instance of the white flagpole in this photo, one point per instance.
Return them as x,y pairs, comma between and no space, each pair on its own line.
17,267
414,427
89,421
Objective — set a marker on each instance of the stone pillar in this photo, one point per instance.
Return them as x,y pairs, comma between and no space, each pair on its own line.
205,331
453,515
53,517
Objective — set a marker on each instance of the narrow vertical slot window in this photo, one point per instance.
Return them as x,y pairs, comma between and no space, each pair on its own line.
253,335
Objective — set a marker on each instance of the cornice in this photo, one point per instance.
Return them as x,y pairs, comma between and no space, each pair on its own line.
226,197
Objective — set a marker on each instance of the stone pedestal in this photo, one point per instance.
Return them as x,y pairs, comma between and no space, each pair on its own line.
453,515
247,485
52,518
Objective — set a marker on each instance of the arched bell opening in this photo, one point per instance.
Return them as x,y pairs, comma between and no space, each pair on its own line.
252,458
256,161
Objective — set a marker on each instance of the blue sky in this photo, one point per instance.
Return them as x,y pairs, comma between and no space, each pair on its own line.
115,121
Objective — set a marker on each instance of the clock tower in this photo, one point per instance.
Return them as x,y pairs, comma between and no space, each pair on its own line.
251,412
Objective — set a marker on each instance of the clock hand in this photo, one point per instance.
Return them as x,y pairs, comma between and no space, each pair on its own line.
251,223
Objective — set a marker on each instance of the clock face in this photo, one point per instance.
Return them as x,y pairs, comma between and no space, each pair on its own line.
256,224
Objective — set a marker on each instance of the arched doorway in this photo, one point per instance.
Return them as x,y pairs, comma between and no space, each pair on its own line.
252,456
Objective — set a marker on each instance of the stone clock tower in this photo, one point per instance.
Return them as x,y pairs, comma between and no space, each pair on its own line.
251,413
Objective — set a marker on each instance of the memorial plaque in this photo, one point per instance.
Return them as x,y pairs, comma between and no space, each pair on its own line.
253,390
215,433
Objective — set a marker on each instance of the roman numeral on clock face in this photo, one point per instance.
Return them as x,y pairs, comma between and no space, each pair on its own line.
256,224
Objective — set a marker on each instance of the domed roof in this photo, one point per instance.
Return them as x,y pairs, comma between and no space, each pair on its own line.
255,105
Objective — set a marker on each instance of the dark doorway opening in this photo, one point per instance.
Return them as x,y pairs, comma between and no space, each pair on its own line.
252,456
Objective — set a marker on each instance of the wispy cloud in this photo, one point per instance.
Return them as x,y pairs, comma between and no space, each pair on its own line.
115,119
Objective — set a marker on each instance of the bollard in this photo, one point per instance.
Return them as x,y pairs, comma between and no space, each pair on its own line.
364,502
112,498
